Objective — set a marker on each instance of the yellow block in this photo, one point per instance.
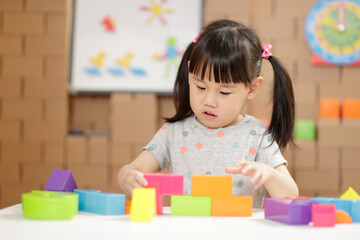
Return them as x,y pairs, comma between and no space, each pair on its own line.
350,194
143,205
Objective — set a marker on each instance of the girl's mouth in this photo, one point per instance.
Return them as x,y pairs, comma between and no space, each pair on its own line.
209,115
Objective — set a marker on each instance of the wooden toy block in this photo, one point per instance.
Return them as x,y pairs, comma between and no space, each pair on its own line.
342,217
323,215
342,204
329,108
61,180
165,184
213,186
95,201
143,205
355,211
232,206
292,212
350,193
50,205
190,205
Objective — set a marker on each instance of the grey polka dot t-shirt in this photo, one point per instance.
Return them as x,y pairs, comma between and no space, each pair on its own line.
187,147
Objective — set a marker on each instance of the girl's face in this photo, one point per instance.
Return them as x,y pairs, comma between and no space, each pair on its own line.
216,104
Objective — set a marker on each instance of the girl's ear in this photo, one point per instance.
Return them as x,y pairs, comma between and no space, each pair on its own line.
255,87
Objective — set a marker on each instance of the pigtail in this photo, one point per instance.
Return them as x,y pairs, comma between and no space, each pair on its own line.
181,89
283,115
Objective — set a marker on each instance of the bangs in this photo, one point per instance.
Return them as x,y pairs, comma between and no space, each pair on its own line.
227,64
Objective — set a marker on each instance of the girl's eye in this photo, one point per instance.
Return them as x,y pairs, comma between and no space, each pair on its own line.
201,88
224,93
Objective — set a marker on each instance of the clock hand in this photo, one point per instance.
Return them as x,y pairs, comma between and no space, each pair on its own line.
330,23
341,16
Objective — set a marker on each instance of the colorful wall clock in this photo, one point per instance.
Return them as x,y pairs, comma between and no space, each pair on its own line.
332,30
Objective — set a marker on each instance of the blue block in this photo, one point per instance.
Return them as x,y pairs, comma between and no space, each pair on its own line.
95,201
355,210
83,195
342,204
321,199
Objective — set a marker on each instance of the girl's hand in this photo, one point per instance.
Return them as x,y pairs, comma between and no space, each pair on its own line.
259,172
132,179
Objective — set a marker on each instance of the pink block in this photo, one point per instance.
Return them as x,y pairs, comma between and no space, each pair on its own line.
297,198
165,184
323,215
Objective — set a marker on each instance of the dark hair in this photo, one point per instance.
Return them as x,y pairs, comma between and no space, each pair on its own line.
232,52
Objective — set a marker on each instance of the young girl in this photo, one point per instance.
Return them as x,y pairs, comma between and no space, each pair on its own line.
219,72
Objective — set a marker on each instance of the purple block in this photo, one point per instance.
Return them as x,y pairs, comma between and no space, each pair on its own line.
292,212
61,180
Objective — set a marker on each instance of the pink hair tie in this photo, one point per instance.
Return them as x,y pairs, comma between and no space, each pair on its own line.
197,38
266,51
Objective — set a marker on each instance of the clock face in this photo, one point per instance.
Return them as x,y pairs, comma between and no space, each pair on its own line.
332,30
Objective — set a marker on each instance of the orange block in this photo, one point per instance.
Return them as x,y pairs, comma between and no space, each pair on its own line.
342,217
127,207
213,186
351,108
219,188
232,206
329,108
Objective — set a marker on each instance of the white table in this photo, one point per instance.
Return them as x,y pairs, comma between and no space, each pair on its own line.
92,226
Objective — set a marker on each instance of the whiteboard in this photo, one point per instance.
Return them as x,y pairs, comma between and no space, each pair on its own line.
130,45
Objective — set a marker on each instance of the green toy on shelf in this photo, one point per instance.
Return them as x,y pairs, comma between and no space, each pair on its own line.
305,130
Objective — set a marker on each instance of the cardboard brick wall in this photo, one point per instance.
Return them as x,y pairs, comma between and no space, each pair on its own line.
37,111
34,48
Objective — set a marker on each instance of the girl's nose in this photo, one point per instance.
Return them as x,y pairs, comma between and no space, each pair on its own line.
210,99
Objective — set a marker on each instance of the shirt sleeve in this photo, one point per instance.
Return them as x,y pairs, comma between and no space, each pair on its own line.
269,152
158,146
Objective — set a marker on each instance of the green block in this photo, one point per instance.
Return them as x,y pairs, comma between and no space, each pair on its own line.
50,205
305,130
185,205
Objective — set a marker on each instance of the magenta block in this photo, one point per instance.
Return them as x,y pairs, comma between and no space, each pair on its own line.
165,184
61,180
323,215
292,212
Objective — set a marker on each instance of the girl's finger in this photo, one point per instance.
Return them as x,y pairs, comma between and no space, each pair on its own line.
135,184
255,177
233,170
141,180
246,169
241,163
128,190
261,182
